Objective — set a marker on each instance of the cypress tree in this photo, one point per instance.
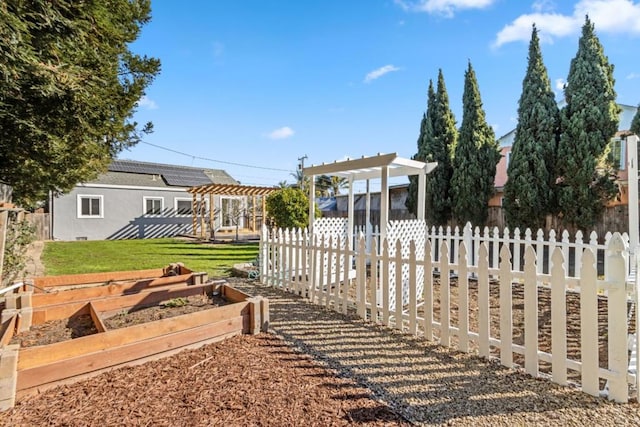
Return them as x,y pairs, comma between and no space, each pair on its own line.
444,142
588,122
635,123
424,143
528,193
476,156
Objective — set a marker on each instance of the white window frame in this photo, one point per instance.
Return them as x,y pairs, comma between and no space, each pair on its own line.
190,200
621,143
241,199
79,199
144,205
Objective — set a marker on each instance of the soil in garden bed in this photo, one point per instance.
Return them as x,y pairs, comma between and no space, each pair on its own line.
164,310
56,331
79,326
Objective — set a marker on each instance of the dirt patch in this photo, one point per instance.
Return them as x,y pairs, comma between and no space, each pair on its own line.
56,331
79,326
164,310
245,380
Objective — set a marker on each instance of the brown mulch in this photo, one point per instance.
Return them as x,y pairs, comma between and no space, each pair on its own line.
241,381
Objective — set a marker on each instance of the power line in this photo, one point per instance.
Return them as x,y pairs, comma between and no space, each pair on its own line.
213,160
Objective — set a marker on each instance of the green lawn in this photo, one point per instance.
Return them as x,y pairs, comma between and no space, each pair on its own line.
120,255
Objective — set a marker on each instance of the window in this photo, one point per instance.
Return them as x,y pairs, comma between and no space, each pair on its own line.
153,205
232,212
183,206
618,151
90,206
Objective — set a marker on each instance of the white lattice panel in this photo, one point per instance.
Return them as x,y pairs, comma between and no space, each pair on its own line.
335,228
406,230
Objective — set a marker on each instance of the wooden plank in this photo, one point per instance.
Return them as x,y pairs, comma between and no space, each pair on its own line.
89,278
398,285
112,289
84,363
57,312
413,288
143,299
233,294
428,291
42,355
484,305
8,329
97,319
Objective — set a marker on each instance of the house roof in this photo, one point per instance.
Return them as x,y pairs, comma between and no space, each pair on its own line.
132,172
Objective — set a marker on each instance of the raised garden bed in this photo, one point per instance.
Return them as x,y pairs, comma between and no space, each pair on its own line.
64,335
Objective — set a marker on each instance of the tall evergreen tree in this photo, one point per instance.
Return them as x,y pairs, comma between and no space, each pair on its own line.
588,122
476,155
445,137
635,122
424,143
529,191
70,86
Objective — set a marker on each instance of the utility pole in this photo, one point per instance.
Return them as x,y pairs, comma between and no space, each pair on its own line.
301,168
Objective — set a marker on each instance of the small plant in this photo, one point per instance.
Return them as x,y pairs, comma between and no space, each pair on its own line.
175,302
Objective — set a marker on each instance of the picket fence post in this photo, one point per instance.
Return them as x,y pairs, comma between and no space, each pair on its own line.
558,318
506,316
589,324
616,275
531,363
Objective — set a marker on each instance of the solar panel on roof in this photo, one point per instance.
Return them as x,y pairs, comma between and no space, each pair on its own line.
183,176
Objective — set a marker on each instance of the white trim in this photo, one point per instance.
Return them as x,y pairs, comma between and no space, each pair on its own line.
190,200
183,199
133,187
144,205
242,201
79,198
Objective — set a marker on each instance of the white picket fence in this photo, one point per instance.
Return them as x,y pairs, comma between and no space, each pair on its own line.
447,279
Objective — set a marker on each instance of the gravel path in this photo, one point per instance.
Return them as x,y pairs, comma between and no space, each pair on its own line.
428,384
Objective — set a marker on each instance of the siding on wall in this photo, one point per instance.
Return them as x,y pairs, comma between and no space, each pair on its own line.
123,215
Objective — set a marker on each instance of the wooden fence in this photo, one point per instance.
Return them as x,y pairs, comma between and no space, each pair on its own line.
568,327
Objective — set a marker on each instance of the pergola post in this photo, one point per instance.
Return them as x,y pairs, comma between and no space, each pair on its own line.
422,180
312,203
194,214
632,179
384,201
350,213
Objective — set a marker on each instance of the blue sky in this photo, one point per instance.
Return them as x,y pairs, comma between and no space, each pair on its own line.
250,86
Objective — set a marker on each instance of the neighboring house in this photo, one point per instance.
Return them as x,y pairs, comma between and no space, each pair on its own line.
619,151
136,200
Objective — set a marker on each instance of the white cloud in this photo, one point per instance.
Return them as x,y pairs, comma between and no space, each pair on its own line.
147,103
608,16
633,76
445,8
379,72
281,133
560,84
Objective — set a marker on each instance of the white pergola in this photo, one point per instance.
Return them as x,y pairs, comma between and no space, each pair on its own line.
383,167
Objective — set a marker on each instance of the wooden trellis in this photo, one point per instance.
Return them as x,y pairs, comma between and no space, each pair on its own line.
202,193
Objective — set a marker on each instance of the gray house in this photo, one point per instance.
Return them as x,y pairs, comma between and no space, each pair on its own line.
135,200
